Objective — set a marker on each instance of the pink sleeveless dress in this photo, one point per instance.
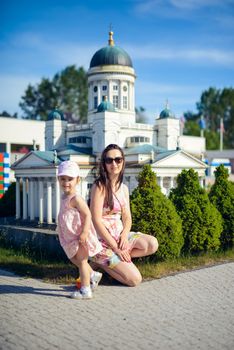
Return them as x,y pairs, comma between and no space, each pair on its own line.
114,225
70,224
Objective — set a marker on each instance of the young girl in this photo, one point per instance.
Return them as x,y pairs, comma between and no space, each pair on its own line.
112,220
77,235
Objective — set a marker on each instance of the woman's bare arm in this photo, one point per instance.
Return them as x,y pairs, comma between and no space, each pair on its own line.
96,207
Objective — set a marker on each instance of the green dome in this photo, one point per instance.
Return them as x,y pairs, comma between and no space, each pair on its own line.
111,55
56,114
105,106
166,113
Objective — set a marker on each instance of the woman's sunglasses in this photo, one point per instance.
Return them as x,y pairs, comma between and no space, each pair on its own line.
117,160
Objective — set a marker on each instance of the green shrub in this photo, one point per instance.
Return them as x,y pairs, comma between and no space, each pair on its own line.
154,214
7,202
201,221
222,196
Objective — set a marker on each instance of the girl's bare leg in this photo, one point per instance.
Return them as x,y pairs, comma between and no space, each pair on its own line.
81,261
143,246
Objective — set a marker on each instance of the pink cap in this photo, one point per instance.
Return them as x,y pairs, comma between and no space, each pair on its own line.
69,168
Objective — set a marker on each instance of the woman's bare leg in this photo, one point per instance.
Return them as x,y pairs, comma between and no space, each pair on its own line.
124,272
143,246
128,273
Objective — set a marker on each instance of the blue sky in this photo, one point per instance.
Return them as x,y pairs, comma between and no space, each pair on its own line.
179,48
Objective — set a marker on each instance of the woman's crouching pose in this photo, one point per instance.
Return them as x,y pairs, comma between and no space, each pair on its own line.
111,216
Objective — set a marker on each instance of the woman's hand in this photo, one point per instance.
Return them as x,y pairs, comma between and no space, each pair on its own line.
123,242
123,254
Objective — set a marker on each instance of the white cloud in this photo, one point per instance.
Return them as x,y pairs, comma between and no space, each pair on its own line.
193,4
195,55
61,54
153,97
13,87
168,7
56,52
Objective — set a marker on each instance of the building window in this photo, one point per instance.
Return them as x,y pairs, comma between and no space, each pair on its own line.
104,88
139,139
125,102
125,88
95,89
78,139
19,148
2,147
95,104
115,87
116,101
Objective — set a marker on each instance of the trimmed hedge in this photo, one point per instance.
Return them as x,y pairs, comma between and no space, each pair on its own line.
201,221
154,214
222,196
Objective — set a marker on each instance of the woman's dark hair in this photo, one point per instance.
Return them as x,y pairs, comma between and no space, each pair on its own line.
103,179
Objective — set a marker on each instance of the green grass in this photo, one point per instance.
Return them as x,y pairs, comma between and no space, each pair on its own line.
150,270
66,273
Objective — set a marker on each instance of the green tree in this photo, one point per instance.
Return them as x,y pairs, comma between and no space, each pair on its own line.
72,90
191,127
201,221
140,115
67,90
215,104
222,196
40,100
154,214
8,115
212,139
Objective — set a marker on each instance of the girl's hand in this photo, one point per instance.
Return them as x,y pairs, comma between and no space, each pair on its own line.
83,238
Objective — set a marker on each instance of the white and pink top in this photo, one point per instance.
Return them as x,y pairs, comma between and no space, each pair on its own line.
70,224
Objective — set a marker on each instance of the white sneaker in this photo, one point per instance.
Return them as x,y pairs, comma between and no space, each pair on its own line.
95,279
82,294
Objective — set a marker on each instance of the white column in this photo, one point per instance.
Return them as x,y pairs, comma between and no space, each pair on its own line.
99,92
17,198
57,200
36,196
8,147
41,202
31,195
132,96
120,87
109,87
160,182
25,206
171,182
49,203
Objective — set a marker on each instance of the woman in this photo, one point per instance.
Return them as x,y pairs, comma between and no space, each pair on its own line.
112,219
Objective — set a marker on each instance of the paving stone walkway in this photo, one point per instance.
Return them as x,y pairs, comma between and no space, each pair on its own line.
192,310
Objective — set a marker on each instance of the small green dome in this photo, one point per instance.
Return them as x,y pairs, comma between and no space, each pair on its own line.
56,114
111,55
105,106
166,113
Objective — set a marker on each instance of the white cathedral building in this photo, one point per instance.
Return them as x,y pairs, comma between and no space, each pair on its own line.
111,119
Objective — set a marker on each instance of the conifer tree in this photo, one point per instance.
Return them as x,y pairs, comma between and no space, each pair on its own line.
154,214
201,221
222,196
